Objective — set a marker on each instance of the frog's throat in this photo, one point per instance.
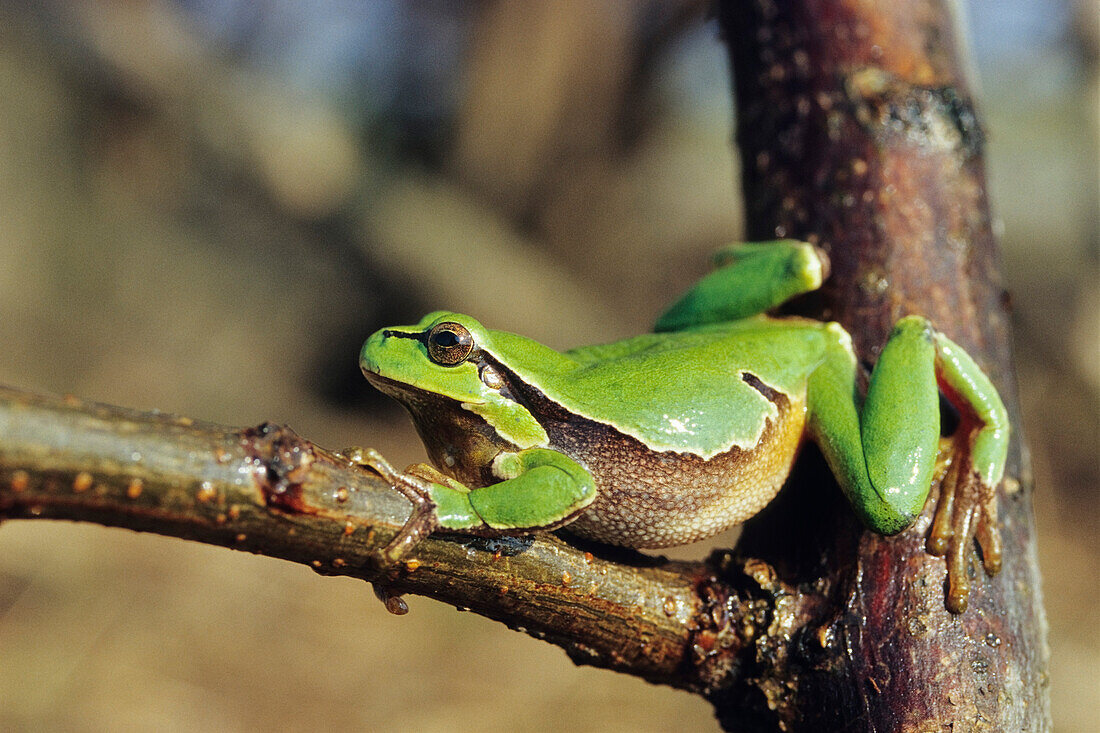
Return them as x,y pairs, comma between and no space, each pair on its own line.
459,442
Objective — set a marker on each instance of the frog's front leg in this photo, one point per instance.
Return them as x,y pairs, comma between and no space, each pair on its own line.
884,455
539,489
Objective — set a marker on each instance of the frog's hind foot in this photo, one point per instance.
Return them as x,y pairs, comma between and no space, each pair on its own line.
966,510
421,523
413,486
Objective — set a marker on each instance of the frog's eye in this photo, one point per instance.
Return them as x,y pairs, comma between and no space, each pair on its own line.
449,343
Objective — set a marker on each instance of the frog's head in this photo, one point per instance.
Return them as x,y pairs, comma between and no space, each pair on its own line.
443,371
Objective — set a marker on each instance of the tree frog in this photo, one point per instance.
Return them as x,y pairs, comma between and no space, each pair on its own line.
670,437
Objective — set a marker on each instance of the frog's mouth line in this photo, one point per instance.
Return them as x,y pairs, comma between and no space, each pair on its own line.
406,393
386,385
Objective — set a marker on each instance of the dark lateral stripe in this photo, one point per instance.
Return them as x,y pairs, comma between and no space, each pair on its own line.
754,381
418,335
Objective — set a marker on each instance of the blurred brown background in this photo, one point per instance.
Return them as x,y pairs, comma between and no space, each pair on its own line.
206,205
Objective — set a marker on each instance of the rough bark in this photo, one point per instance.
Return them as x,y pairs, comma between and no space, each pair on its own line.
858,132
268,491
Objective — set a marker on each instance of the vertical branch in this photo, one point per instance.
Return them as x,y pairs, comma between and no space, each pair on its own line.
857,132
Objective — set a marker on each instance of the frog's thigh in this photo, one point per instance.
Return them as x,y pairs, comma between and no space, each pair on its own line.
901,417
884,458
542,488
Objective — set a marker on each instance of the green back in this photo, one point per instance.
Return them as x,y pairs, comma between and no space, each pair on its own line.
679,391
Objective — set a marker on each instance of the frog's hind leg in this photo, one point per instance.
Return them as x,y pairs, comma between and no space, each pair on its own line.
978,449
884,455
749,278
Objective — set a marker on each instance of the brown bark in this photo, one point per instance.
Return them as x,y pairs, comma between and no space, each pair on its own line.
268,491
857,132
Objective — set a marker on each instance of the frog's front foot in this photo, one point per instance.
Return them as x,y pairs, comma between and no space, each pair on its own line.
966,510
421,522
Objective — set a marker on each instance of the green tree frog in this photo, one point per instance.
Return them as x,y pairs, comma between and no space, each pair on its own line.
670,437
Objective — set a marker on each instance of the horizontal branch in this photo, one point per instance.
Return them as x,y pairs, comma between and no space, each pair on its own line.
268,491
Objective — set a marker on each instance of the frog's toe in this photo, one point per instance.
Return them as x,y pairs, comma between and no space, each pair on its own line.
421,522
939,537
989,535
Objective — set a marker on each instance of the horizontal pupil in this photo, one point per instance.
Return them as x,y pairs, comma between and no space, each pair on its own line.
445,339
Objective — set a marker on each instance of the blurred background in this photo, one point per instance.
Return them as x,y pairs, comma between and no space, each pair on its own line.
206,205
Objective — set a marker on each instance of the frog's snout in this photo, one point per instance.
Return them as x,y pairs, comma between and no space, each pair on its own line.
369,354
